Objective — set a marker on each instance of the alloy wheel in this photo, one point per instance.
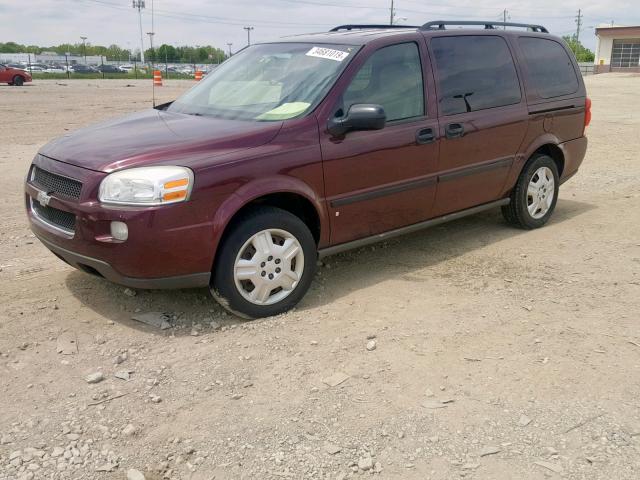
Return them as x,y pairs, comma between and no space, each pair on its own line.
540,192
268,267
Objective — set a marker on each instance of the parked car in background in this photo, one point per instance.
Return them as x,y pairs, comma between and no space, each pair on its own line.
126,67
19,66
314,145
13,76
55,69
109,69
80,68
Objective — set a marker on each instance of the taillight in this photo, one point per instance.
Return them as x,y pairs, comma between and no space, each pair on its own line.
587,112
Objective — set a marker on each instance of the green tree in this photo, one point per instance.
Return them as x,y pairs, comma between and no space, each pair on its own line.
167,53
582,53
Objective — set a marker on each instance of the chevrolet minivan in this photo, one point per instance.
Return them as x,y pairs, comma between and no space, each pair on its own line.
312,145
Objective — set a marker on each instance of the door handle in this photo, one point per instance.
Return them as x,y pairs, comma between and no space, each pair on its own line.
425,135
454,130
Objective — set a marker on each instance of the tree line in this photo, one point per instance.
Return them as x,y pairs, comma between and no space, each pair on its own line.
168,53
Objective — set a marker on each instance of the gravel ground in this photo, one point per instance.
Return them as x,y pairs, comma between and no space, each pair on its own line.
469,350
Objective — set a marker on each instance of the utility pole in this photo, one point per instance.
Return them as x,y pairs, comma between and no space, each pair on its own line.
248,29
505,14
229,45
84,49
139,4
578,25
392,14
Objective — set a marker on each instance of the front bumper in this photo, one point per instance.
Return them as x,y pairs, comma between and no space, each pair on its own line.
103,269
168,246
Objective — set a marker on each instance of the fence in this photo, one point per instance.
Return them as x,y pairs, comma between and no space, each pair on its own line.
587,68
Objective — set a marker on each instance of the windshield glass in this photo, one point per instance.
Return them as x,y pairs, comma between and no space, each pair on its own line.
267,82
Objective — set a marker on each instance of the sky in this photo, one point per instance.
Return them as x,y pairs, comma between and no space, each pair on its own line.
207,22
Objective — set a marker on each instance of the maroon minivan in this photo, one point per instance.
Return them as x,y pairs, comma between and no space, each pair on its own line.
312,145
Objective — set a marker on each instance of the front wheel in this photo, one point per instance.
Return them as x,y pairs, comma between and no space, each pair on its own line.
535,195
265,264
18,81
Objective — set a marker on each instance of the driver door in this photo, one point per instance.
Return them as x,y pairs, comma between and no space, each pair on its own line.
380,180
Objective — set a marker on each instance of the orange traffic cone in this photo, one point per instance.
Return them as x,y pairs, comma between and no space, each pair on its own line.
198,75
157,78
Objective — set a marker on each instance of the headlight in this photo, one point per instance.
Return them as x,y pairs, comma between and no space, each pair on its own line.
147,186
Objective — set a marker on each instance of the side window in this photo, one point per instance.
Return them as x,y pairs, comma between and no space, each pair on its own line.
550,69
391,77
474,72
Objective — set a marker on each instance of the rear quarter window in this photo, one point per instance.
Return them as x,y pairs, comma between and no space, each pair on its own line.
550,69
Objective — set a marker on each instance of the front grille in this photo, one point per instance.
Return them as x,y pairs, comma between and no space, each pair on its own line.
57,184
58,218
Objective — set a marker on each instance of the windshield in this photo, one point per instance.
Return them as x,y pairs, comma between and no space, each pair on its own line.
267,82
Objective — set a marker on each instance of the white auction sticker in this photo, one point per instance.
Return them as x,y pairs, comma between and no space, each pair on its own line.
328,53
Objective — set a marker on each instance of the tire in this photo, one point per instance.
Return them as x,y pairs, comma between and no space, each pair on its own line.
18,81
539,183
248,280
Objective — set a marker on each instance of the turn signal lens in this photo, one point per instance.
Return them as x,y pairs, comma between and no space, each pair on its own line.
175,190
172,196
176,183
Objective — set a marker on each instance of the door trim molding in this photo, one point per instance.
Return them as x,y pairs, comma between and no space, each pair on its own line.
362,242
384,191
475,169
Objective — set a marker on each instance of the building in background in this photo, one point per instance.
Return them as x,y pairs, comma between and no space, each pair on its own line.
618,49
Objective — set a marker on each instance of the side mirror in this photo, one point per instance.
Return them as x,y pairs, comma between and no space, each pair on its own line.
361,116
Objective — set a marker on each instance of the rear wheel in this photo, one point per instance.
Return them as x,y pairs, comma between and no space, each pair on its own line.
534,197
265,264
18,81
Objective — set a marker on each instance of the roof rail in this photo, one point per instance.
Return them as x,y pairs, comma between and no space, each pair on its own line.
488,25
363,27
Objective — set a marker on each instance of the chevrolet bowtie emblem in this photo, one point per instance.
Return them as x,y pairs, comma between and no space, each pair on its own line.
43,198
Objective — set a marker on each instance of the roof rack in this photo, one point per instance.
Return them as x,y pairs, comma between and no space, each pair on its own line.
488,25
363,27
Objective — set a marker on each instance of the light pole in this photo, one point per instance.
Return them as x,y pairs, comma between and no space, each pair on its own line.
229,45
153,54
84,49
139,4
248,29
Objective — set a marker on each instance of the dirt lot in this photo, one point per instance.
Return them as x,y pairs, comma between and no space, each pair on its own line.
499,354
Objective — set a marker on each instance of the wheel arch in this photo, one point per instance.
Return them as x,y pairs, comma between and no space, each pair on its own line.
287,193
555,152
547,144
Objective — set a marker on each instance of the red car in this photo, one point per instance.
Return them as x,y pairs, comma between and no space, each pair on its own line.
310,146
13,76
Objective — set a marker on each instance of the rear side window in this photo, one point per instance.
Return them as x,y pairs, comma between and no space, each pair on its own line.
474,72
550,70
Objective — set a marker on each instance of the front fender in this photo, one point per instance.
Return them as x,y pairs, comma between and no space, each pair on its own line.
257,188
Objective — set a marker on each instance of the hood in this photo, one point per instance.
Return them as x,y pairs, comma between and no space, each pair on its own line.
155,137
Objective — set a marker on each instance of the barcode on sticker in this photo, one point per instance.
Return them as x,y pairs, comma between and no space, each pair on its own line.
328,53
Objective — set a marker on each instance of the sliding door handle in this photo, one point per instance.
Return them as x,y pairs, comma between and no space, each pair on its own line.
454,130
